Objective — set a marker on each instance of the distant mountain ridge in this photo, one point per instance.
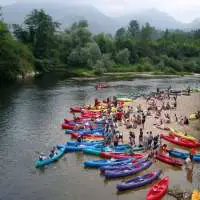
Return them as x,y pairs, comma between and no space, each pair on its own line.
98,22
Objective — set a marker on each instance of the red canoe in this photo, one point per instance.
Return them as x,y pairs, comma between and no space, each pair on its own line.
102,85
169,160
73,127
78,119
117,155
76,109
87,136
158,190
181,141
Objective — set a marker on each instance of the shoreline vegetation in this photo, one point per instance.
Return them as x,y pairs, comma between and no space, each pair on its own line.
39,46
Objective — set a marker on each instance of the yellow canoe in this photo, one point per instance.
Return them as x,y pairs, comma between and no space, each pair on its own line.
124,99
193,116
181,134
195,195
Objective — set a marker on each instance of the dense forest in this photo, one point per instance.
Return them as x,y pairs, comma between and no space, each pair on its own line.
41,45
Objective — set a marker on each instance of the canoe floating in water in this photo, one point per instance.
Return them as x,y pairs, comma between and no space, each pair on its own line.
158,190
129,170
138,181
169,160
76,109
102,85
100,163
124,99
57,155
180,141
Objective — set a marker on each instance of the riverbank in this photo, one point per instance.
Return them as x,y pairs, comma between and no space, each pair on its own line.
128,75
186,105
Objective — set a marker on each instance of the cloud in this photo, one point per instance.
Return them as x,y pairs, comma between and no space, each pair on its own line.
184,10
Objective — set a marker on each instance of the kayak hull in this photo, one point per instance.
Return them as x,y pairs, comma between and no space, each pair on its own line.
169,160
158,190
100,163
130,170
180,141
138,181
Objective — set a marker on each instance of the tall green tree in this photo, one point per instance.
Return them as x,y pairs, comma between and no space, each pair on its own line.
39,32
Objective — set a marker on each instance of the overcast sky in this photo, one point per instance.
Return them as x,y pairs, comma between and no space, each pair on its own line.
182,10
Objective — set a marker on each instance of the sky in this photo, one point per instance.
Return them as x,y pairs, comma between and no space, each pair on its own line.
181,10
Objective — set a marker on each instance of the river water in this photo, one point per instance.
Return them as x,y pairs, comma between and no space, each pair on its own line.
30,118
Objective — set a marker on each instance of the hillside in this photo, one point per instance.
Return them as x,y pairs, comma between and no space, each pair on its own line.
67,14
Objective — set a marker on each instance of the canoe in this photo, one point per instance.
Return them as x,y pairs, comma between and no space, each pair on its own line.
120,155
138,181
86,131
195,195
87,143
121,166
193,116
183,154
76,109
181,134
180,141
100,163
58,154
92,151
102,85
88,136
69,148
124,99
169,160
158,190
129,170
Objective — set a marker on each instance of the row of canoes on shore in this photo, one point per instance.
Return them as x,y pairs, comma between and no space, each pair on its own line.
119,162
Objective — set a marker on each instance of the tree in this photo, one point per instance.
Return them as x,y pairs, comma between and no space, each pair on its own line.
105,43
39,32
122,57
133,28
146,32
120,33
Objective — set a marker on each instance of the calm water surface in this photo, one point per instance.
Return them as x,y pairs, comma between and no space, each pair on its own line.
30,118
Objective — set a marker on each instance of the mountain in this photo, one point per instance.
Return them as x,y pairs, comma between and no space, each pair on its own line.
155,17
67,14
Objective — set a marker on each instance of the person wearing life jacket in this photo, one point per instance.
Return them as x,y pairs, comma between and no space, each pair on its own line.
163,148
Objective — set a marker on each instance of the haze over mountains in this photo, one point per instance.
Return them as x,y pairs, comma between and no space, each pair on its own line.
98,22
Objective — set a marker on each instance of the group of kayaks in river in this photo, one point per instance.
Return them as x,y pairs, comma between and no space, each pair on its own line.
121,160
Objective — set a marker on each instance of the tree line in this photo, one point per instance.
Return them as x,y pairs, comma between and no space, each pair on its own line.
39,44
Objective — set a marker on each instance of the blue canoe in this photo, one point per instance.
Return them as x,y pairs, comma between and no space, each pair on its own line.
138,181
69,148
128,170
183,155
100,163
86,131
87,143
97,149
57,155
120,166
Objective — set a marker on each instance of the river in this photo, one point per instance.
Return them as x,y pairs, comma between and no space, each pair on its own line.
30,118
